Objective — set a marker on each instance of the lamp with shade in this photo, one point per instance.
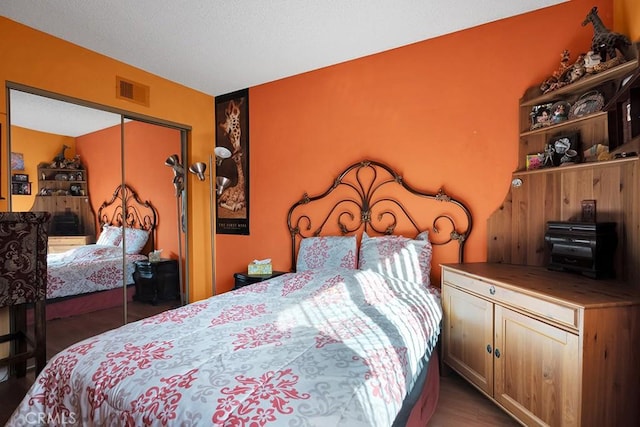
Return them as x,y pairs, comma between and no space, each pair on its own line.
222,154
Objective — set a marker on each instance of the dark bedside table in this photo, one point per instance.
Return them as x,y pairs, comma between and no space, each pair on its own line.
244,279
156,281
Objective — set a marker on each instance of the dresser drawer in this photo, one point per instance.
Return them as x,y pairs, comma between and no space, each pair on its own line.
59,244
543,308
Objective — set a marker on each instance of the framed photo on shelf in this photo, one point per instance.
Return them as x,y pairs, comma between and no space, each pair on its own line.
541,116
21,188
560,112
562,149
534,161
19,177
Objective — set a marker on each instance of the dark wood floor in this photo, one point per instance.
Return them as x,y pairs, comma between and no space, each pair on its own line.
459,404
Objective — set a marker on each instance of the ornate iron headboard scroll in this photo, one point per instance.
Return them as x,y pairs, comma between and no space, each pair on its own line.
371,200
126,208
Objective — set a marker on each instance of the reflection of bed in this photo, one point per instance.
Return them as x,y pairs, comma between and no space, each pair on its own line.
96,271
348,339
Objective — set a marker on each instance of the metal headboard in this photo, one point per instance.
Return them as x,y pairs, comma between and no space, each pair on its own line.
126,208
370,196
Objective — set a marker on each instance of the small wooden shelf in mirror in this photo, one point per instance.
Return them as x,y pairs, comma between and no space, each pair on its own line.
64,192
62,182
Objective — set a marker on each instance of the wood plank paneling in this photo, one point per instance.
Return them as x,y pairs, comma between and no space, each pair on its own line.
557,196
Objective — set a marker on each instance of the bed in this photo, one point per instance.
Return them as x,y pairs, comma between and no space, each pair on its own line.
348,338
88,278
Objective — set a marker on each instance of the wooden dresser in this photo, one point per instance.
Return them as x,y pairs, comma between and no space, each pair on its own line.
550,348
59,244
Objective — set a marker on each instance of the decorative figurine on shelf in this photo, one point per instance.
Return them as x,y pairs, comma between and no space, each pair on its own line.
59,159
576,71
74,163
604,41
61,162
549,154
565,74
555,76
591,60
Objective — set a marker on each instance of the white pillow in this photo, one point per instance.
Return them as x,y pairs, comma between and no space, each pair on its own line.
110,236
327,252
135,239
398,256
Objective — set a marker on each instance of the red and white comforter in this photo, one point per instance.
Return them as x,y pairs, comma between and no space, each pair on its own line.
87,269
323,348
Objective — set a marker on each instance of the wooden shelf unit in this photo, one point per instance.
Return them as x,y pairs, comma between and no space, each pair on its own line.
516,230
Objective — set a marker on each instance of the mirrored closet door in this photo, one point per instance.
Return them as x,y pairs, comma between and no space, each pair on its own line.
113,203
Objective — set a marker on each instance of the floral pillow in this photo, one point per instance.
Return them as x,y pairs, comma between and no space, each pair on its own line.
110,236
398,256
135,240
327,252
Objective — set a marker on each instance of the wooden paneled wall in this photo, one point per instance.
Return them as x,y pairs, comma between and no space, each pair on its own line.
516,230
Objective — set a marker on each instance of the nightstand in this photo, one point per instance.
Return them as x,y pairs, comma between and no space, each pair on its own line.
244,279
156,281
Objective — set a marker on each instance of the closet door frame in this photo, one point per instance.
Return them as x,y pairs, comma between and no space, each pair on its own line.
124,115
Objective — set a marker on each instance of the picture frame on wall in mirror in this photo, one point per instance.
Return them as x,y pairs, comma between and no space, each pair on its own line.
21,188
19,177
17,161
232,167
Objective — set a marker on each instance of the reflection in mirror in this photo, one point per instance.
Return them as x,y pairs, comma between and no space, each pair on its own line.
146,147
68,159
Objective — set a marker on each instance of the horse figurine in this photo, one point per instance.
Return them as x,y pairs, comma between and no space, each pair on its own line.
605,42
60,158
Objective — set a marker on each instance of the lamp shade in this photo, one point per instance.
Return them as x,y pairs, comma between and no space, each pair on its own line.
198,169
172,160
222,182
221,153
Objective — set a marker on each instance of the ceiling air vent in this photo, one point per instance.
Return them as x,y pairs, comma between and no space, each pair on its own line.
132,91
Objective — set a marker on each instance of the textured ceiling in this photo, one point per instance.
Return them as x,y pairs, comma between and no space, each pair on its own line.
218,46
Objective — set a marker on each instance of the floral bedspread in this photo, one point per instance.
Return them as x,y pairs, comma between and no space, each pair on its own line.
317,348
87,269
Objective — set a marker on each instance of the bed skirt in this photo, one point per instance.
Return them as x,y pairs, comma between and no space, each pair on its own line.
85,303
425,407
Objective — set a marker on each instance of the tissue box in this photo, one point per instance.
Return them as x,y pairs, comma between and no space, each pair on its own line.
254,268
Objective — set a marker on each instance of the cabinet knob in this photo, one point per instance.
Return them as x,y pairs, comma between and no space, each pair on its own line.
492,290
489,350
497,353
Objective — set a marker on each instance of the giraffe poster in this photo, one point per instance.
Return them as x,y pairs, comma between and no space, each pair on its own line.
232,163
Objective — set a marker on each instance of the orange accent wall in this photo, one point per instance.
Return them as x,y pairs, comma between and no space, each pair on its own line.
627,18
443,112
36,59
146,148
37,147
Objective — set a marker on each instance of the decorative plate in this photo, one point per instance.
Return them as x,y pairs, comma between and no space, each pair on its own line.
588,103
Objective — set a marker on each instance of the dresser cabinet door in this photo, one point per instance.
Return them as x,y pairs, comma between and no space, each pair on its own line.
468,336
537,369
